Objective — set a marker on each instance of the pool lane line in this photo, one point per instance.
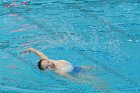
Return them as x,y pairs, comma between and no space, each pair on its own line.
36,41
42,34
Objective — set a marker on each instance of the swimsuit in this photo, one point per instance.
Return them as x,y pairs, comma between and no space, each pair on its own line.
76,70
73,70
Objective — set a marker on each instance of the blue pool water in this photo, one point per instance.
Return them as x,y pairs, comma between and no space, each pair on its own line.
101,33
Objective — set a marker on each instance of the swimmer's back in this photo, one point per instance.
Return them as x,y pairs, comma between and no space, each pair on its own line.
63,66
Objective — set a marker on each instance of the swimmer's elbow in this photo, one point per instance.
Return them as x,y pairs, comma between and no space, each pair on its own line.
42,56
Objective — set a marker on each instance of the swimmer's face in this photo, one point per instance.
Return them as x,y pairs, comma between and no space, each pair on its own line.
47,64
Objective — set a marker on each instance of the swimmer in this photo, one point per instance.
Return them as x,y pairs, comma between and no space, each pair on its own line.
66,69
61,67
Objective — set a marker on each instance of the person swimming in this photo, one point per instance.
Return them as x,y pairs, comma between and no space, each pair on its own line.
66,69
61,67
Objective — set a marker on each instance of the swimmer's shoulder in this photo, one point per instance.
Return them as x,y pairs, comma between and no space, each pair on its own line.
61,62
63,65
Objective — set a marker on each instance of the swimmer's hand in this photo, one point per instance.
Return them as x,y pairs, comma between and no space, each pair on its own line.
27,51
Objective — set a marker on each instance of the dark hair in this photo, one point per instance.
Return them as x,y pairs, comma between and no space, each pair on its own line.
39,64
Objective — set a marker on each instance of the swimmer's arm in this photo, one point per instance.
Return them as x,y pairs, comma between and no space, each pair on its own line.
40,54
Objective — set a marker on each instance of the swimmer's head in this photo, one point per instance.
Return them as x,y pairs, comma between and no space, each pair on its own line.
45,64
